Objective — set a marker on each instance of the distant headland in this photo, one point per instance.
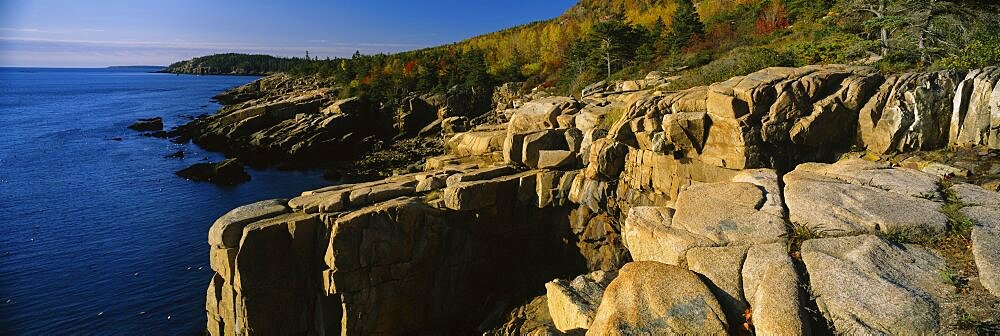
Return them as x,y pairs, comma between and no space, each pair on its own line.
154,67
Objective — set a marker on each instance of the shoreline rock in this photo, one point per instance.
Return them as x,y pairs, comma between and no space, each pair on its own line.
736,208
148,125
226,172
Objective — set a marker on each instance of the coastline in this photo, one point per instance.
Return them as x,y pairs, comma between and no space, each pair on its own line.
541,220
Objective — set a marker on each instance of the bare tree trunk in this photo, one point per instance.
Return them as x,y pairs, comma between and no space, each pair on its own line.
607,55
925,27
882,31
922,44
609,64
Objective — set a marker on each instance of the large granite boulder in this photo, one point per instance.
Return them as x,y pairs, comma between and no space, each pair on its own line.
475,142
593,116
983,210
482,194
986,245
227,231
273,269
973,118
649,236
810,111
654,298
553,159
728,213
712,214
352,106
268,268
721,269
541,114
573,304
542,141
773,289
866,285
910,111
853,198
607,159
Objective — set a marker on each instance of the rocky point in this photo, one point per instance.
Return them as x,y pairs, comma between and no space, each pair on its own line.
813,200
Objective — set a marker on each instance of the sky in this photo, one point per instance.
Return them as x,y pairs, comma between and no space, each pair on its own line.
98,33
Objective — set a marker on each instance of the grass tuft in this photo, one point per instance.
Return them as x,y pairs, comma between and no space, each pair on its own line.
951,277
799,232
904,236
958,224
613,115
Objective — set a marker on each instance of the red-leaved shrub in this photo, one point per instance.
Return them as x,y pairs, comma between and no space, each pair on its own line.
772,18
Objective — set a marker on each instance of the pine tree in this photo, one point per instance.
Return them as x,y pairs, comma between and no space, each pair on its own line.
684,24
613,42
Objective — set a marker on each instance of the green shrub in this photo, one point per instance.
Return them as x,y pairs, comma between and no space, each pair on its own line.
738,62
829,47
531,69
980,52
808,9
899,61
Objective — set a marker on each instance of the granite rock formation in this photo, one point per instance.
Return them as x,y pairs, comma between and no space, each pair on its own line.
731,208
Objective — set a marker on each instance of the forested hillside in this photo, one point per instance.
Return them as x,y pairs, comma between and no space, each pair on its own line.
706,41
235,64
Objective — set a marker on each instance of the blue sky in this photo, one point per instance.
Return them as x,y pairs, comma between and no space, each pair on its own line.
76,33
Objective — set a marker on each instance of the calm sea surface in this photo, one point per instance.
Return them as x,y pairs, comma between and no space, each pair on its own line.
97,235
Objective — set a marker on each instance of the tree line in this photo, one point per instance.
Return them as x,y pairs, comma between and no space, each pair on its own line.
600,39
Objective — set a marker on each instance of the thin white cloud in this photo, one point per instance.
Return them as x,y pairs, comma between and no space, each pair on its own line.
22,30
32,51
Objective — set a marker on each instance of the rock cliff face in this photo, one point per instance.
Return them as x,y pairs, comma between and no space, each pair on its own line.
729,208
301,122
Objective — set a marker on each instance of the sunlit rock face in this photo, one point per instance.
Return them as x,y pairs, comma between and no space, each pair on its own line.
633,210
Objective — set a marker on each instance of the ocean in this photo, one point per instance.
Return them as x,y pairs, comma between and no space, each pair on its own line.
97,234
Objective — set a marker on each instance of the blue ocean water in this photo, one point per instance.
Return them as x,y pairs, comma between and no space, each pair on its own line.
97,234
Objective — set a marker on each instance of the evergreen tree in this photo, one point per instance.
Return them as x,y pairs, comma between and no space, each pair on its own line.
684,23
613,42
472,71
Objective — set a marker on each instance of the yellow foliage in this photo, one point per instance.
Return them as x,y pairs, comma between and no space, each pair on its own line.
546,42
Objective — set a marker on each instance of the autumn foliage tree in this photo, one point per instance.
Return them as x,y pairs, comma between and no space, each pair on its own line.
772,18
